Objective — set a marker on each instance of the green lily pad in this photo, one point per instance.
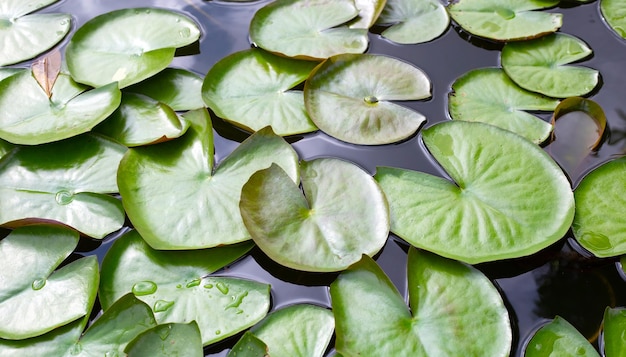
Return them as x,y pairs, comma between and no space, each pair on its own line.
178,88
308,29
251,89
249,346
614,325
414,21
369,11
341,215
505,20
488,95
141,120
203,210
174,284
5,147
540,65
455,311
507,197
66,182
128,45
167,340
356,108
598,224
34,298
31,118
559,338
614,13
8,72
25,36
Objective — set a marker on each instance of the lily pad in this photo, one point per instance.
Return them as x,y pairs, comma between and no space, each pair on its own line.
5,147
251,89
341,215
540,65
30,117
414,21
141,120
174,284
506,20
488,95
167,340
178,88
34,298
559,338
598,224
614,13
507,197
202,201
8,72
127,45
614,325
349,97
25,36
308,29
369,11
249,346
67,182
455,311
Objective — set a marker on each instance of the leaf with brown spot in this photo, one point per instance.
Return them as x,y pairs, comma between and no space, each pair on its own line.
46,70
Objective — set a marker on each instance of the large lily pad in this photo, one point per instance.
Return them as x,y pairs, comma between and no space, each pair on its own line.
167,340
308,29
414,21
455,311
30,117
505,20
614,12
175,284
178,88
24,36
127,45
540,65
67,182
34,298
507,197
488,95
341,215
201,203
614,325
559,338
599,224
349,97
251,89
369,11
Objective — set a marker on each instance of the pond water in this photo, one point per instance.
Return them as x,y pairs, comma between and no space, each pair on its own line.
560,280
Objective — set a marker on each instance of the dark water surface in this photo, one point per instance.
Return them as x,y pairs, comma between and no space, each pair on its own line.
561,280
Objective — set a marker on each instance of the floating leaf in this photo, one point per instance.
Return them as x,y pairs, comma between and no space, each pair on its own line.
167,340
5,147
8,72
507,198
356,108
31,118
455,311
46,70
308,29
66,182
505,20
614,327
488,95
249,346
341,215
127,45
369,11
25,36
34,298
251,89
559,338
174,284
588,107
414,21
540,65
178,88
614,13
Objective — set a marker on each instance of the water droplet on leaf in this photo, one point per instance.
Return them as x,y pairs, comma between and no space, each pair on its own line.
596,241
208,286
164,331
38,284
194,282
144,288
506,14
64,197
222,288
237,300
162,305
184,32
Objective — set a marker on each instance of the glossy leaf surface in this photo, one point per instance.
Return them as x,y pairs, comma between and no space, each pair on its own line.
167,340
249,346
350,98
178,88
369,11
614,13
341,215
455,311
614,325
414,21
559,338
507,198
5,147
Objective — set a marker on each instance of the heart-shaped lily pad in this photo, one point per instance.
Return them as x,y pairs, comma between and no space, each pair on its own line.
369,11
203,209
251,89
24,36
414,21
348,97
614,325
308,29
488,95
178,88
614,13
34,298
559,338
30,117
341,215
455,311
540,65
127,45
508,198
167,340
599,224
174,284
66,182
505,20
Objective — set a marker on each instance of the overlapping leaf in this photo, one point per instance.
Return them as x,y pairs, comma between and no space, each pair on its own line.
414,21
561,339
167,340
369,11
613,327
178,88
614,12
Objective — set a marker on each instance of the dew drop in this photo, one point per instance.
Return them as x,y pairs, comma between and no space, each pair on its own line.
491,26
144,288
222,288
370,99
147,11
580,351
64,197
178,20
506,14
63,22
596,241
193,283
164,332
208,286
217,332
111,354
162,305
38,284
624,335
76,349
184,32
237,300
178,286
